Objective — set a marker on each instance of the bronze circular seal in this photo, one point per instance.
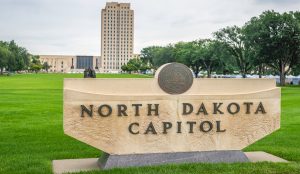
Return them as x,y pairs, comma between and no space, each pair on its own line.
175,78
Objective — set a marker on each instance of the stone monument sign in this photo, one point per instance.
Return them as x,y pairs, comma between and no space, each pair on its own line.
170,118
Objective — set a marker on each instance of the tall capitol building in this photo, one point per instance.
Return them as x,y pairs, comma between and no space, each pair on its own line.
117,33
117,23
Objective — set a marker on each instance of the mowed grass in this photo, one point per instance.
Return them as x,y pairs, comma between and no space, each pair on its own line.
31,131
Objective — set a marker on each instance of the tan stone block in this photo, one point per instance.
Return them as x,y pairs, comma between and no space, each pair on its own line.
111,133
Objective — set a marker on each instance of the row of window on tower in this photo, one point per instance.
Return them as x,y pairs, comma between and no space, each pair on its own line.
114,40
118,23
118,48
113,12
118,15
119,35
117,11
124,48
111,31
113,8
113,66
124,27
117,44
110,62
112,55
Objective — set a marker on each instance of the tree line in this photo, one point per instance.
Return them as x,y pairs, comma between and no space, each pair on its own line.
14,58
267,44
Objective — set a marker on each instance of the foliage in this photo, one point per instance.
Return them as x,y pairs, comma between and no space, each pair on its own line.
46,66
188,53
35,64
276,38
212,56
264,45
19,59
4,56
13,57
234,41
135,65
296,70
158,55
148,54
164,55
202,54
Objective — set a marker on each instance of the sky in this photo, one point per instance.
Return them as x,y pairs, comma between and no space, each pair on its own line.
72,27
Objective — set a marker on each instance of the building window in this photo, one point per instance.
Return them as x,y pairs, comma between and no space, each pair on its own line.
84,62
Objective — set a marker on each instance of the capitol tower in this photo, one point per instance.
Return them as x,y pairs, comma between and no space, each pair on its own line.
117,34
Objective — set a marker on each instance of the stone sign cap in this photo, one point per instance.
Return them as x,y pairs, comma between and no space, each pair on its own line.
175,78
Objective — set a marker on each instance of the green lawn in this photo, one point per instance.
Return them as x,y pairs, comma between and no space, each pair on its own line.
31,132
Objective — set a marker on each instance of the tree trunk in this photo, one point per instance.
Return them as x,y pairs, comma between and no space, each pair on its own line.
282,79
1,71
260,71
243,72
208,73
196,71
282,74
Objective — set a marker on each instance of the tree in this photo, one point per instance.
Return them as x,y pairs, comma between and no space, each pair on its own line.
35,64
135,65
276,37
156,56
35,67
163,55
46,66
234,41
144,67
203,54
4,56
296,70
19,59
148,54
189,53
124,68
211,56
183,52
227,63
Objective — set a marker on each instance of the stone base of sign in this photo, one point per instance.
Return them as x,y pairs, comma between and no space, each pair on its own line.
263,156
88,164
74,165
107,161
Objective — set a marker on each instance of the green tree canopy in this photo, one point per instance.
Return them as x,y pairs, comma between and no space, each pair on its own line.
35,64
234,40
20,58
276,38
46,66
4,56
135,65
148,53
